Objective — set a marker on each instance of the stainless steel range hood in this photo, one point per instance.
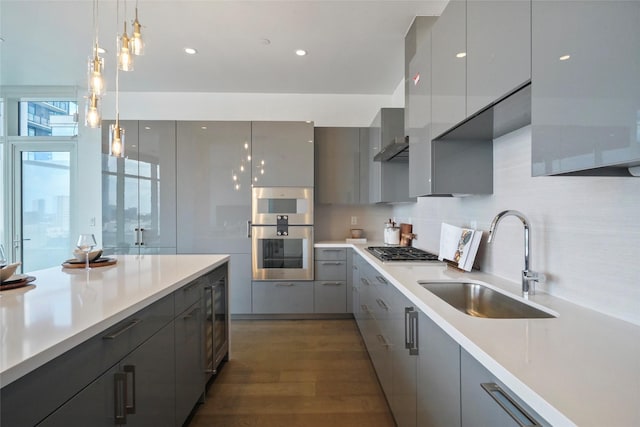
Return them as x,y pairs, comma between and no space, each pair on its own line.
397,151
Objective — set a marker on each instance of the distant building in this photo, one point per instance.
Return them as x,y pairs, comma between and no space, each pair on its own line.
48,118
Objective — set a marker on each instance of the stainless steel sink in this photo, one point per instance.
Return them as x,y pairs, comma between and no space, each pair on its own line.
481,301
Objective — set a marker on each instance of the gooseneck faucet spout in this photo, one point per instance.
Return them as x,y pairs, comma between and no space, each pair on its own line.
527,275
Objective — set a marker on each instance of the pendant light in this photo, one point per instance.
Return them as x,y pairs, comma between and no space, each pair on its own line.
125,60
137,44
116,133
92,114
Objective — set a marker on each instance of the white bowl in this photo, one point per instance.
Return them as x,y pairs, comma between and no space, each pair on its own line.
8,271
80,256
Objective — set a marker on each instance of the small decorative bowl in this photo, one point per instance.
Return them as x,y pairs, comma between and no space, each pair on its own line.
356,233
80,256
8,271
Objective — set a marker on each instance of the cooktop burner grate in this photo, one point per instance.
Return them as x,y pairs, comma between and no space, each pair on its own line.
401,253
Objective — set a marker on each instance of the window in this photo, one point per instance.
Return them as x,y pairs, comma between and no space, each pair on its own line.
48,118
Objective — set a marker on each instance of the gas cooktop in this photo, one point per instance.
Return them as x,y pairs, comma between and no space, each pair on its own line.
401,253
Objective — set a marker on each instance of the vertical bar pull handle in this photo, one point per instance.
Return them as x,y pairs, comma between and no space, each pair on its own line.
249,229
413,323
407,327
510,406
120,398
130,369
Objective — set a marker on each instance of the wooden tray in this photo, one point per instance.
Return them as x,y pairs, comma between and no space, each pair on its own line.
20,284
100,262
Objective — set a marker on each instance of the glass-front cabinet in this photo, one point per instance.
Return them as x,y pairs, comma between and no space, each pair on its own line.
139,190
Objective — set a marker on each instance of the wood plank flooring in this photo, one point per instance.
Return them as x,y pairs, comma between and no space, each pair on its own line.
295,373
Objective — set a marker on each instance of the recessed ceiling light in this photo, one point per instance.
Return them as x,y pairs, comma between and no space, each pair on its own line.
190,51
301,52
461,54
147,127
203,127
564,57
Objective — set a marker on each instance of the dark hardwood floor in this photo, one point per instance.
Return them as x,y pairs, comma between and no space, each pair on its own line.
295,373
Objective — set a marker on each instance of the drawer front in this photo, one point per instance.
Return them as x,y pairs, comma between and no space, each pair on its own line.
189,294
58,380
330,254
330,296
331,270
282,297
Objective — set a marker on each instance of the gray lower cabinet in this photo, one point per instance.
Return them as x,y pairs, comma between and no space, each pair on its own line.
498,50
341,170
139,391
404,359
438,376
332,286
486,403
214,200
282,297
190,375
282,154
585,95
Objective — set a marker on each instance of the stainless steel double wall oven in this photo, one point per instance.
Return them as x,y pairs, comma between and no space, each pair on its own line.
282,233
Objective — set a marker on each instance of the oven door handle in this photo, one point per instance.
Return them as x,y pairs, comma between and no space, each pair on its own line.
249,229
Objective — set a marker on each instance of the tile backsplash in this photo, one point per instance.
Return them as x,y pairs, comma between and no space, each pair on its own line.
585,232
333,222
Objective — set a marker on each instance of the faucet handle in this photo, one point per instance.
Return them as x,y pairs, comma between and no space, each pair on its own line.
534,276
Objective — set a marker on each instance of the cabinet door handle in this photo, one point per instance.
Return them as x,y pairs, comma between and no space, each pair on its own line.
382,280
122,330
382,304
120,398
191,313
383,341
141,236
285,284
331,284
413,323
332,263
249,229
407,327
365,281
130,369
510,406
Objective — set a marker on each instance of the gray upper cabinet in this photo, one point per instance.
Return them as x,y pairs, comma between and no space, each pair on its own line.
388,181
337,165
282,154
498,49
417,113
585,89
448,61
214,201
139,190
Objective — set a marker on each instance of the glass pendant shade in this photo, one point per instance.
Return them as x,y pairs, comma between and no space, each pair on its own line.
137,44
96,73
92,113
125,60
116,140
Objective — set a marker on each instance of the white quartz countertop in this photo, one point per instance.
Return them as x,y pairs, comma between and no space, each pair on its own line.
65,307
580,368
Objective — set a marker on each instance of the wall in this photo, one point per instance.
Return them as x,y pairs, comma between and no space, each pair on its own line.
322,109
333,222
585,233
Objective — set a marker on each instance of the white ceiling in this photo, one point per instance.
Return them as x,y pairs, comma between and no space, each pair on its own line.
355,47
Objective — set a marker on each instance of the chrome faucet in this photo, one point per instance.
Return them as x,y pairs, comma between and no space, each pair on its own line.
527,275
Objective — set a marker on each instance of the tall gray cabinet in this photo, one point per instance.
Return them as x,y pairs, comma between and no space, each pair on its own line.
214,198
139,190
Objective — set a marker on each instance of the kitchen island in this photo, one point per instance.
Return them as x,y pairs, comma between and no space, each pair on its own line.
76,314
579,368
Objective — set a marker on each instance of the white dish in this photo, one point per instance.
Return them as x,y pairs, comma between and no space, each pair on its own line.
15,278
8,271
